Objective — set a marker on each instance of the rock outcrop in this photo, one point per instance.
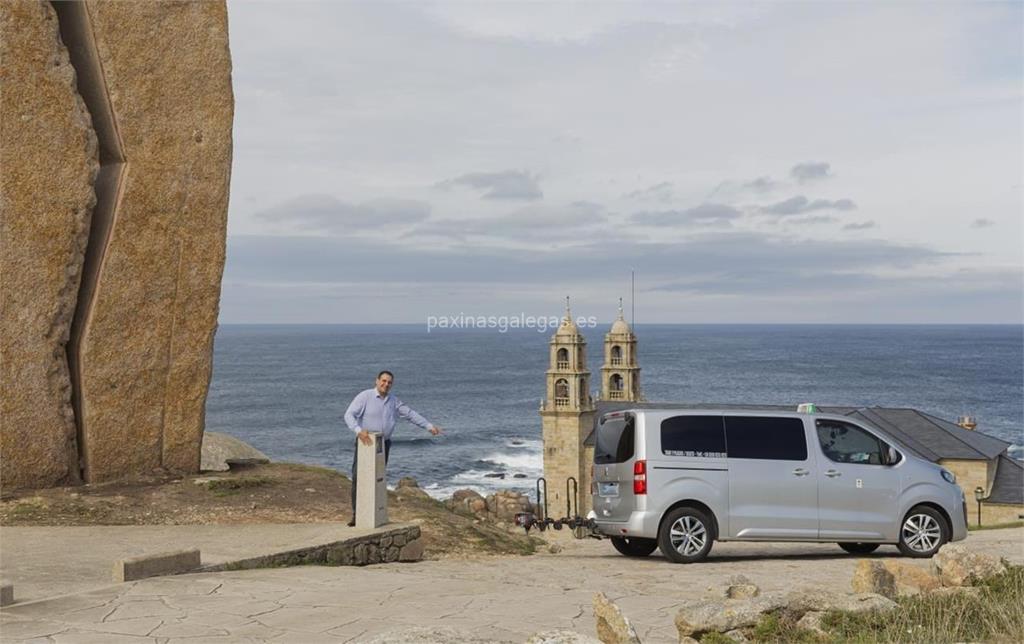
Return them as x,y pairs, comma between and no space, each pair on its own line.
116,153
612,626
49,161
221,451
955,565
872,576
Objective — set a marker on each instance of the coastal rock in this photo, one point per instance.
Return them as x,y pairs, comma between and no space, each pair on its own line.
911,579
48,163
802,601
144,346
218,449
612,626
504,505
742,591
811,621
467,502
703,616
955,565
407,481
872,576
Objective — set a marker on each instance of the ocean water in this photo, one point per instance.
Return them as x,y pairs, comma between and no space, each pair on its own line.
284,388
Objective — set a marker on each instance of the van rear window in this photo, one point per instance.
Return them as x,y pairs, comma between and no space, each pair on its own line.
701,436
615,437
780,439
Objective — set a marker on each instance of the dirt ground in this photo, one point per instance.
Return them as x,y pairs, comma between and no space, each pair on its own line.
272,493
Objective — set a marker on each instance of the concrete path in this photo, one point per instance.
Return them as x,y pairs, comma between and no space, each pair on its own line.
48,561
499,599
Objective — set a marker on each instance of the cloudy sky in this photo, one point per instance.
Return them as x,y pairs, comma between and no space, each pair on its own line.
757,162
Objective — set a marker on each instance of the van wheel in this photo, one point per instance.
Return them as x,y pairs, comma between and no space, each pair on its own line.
634,546
923,532
859,548
686,535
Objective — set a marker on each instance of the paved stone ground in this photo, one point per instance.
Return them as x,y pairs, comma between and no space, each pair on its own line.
502,598
46,561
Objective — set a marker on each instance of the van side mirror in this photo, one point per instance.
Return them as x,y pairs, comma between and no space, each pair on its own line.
892,457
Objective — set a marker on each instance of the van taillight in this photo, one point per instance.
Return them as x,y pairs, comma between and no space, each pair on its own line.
640,477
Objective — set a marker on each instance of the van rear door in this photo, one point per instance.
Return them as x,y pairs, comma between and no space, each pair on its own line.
614,455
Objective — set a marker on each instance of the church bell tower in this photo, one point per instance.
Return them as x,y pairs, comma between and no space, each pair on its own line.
620,374
567,417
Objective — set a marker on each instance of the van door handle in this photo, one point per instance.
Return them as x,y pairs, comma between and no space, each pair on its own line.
800,472
833,473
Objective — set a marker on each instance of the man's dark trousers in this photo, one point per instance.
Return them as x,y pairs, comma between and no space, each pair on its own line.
355,468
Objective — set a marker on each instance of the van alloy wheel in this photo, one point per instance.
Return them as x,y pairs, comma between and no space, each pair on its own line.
921,532
688,536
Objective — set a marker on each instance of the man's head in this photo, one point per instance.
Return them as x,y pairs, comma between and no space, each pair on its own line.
384,381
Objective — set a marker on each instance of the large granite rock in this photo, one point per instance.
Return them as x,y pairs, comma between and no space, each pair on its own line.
145,342
955,565
48,161
221,451
872,576
612,626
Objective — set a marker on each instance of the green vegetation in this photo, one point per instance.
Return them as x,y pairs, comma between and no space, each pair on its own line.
994,614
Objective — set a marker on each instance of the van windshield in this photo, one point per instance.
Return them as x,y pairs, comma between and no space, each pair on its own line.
614,440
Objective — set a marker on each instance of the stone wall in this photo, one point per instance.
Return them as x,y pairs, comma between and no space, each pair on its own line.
400,543
138,312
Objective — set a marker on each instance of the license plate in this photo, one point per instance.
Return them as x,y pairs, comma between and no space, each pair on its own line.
608,489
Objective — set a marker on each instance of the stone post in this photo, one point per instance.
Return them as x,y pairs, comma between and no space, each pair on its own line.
371,487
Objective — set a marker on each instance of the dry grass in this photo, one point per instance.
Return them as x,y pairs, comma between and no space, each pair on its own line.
994,615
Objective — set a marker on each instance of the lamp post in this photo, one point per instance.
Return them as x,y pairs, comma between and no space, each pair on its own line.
978,493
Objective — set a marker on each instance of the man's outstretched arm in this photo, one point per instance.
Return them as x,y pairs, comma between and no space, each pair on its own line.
411,415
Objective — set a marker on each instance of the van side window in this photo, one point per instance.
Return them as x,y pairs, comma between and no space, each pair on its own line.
615,440
780,439
693,436
846,443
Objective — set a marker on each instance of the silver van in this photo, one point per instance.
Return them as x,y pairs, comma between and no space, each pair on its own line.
679,480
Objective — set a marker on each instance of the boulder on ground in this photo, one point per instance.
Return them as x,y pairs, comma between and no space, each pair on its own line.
741,591
407,481
220,450
467,502
958,566
506,504
805,600
873,577
698,617
612,626
911,579
811,621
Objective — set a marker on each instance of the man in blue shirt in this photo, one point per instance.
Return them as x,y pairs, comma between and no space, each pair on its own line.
375,410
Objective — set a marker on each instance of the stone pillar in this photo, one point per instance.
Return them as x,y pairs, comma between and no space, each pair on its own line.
371,485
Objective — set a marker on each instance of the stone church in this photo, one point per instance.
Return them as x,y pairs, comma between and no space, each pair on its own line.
568,410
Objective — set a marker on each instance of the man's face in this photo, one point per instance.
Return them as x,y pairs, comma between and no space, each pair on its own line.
384,384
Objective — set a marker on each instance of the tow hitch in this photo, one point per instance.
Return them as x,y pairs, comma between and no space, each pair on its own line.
581,527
